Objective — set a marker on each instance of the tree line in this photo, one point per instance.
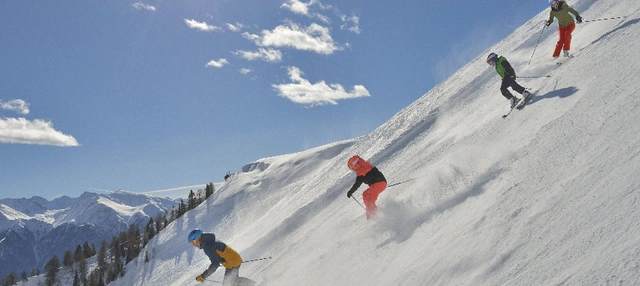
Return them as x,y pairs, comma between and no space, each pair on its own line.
112,256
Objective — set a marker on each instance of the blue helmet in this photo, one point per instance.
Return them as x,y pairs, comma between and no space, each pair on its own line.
194,235
552,2
492,58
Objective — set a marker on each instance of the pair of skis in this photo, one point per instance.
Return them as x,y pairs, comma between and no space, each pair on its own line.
521,106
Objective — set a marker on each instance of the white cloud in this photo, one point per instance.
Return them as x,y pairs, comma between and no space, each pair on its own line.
269,55
235,27
23,131
217,64
17,105
303,92
314,38
143,6
301,8
297,7
350,24
202,26
245,70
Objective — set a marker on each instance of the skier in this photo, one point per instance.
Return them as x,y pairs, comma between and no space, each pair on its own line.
560,10
219,254
370,175
508,76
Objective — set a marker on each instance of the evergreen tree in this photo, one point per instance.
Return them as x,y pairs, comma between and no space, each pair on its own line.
82,268
159,220
191,200
51,270
208,191
151,231
182,209
76,279
133,243
10,279
102,257
67,260
23,276
86,250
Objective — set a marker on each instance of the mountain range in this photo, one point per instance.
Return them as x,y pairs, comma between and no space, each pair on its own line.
32,230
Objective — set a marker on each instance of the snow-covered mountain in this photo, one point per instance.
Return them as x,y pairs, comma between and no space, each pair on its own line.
33,230
548,196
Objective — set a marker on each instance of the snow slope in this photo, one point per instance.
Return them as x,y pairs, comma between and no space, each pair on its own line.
548,196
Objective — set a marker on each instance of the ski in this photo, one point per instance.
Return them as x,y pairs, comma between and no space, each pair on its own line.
512,108
505,116
521,105
526,100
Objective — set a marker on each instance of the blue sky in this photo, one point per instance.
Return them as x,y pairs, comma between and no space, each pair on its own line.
155,95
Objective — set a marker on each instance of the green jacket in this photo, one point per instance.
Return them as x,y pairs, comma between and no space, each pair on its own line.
562,14
504,68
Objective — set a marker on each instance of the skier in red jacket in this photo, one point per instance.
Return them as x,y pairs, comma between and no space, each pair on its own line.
370,175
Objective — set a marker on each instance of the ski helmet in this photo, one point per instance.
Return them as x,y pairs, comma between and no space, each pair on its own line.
353,161
194,235
492,58
553,2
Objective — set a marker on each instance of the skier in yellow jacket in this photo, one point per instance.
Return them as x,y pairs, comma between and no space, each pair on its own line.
219,253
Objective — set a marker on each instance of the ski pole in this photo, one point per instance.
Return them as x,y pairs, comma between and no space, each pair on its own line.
395,184
354,198
257,259
604,19
536,46
539,76
214,281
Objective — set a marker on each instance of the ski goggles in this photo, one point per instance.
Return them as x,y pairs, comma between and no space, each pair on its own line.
354,163
194,242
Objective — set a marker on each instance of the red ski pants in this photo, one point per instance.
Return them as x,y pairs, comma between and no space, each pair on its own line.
370,195
564,41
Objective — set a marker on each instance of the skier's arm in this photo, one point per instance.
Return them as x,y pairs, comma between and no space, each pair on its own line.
573,11
355,186
550,20
508,70
212,269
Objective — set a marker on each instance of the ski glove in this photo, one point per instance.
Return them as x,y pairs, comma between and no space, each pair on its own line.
349,194
579,19
200,278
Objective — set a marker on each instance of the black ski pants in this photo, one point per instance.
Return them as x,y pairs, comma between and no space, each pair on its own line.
510,81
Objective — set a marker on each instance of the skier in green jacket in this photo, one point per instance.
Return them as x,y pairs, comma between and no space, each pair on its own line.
508,76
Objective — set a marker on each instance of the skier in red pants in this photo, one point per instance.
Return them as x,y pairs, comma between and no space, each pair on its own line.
560,10
370,175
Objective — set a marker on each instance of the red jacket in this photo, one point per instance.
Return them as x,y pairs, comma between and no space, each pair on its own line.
366,173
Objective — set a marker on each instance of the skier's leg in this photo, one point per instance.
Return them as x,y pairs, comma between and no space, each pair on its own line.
567,36
503,88
231,276
560,43
243,281
370,196
517,87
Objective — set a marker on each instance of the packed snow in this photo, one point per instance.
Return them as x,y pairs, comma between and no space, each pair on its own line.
548,196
